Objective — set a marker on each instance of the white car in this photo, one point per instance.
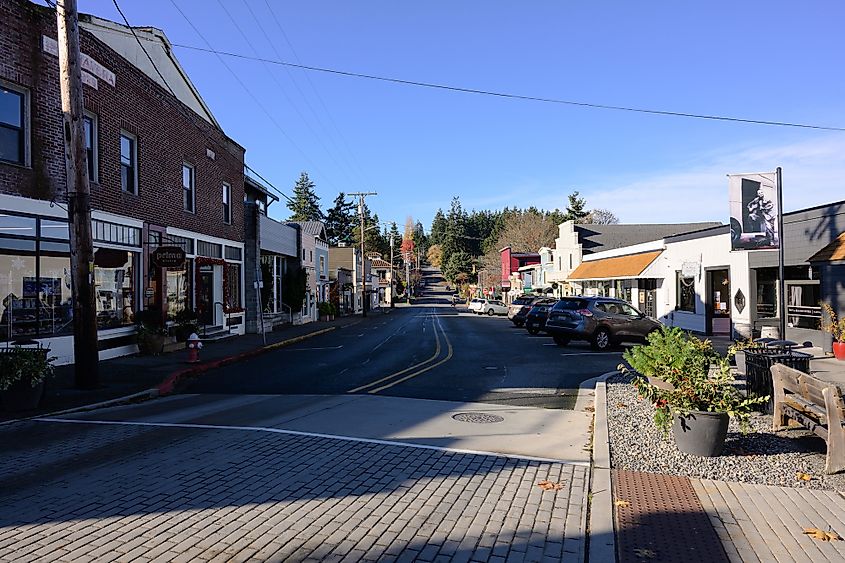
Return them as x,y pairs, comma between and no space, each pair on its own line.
475,305
492,307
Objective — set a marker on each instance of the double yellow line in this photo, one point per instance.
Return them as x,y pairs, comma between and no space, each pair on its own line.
415,370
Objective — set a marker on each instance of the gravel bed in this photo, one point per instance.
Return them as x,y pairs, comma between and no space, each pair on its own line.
762,456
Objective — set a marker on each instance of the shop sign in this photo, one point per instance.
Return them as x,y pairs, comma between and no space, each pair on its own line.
168,257
690,269
149,293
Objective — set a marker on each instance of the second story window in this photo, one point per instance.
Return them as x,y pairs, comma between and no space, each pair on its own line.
227,203
89,123
128,163
12,126
188,187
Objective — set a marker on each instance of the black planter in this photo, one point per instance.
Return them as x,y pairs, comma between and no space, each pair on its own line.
22,396
701,433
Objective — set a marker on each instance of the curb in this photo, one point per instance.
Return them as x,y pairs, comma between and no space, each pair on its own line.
602,546
167,386
148,394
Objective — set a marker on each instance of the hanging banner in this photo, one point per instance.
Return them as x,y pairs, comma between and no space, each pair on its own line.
754,211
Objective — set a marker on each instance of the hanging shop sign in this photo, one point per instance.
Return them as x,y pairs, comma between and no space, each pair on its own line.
168,257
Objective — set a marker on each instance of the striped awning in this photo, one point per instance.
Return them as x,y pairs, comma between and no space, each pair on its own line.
618,267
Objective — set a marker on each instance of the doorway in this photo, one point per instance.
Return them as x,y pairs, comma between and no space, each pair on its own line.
205,296
718,306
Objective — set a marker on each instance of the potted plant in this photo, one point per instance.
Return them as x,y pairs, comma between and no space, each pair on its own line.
696,401
150,331
836,327
22,375
185,324
325,309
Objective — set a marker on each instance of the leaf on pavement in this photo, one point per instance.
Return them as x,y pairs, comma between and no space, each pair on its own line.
645,553
801,476
622,503
621,405
550,486
590,408
822,535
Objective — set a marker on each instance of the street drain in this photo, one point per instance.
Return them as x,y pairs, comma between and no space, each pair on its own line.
477,417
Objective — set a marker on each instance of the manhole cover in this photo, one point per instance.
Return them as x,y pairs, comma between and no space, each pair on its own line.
477,417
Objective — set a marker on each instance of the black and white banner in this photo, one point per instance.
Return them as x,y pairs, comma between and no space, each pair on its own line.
754,211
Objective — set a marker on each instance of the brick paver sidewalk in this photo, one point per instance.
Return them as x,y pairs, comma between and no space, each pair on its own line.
139,493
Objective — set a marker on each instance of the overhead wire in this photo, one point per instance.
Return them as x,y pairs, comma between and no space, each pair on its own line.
135,35
506,95
280,85
328,114
248,91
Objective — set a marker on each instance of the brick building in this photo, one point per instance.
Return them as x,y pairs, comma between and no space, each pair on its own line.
162,172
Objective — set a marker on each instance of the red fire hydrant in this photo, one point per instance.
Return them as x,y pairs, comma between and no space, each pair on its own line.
194,346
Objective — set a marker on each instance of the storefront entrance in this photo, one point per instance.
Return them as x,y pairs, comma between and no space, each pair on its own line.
205,295
718,306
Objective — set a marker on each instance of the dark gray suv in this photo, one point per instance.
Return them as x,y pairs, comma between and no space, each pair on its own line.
602,321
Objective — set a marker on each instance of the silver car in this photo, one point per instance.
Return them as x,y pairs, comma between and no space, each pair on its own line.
492,307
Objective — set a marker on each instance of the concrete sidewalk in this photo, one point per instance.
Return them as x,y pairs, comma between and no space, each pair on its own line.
127,375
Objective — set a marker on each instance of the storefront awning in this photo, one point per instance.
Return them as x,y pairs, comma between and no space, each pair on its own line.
832,252
629,266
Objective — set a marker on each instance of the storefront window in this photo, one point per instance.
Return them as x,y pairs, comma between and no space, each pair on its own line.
114,286
267,289
178,290
622,290
685,294
767,293
53,292
280,270
17,283
233,286
803,310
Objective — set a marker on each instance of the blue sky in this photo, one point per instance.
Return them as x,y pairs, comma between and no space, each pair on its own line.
774,60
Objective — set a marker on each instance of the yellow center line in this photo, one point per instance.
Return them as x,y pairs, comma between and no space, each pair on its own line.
422,371
406,370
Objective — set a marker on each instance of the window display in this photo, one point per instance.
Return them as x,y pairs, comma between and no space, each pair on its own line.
178,290
114,286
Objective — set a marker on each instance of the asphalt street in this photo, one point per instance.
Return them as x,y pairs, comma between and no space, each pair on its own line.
324,451
429,350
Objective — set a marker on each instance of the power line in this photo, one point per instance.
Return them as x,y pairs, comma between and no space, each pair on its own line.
328,114
268,182
522,97
247,90
281,87
152,62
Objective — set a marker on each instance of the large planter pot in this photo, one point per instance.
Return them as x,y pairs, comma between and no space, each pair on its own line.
22,396
151,344
839,351
701,433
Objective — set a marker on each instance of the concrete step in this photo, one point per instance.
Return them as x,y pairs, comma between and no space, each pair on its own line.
212,334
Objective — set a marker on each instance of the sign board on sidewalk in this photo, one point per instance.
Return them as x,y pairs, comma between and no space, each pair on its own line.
168,257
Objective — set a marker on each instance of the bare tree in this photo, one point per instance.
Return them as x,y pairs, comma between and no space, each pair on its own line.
600,217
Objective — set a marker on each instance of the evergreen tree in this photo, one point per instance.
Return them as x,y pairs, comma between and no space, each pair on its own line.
577,208
396,235
340,221
438,228
305,204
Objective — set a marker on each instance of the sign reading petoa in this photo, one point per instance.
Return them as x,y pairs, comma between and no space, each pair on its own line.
168,257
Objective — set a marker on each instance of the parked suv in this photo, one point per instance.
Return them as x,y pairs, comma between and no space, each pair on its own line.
535,320
519,307
602,321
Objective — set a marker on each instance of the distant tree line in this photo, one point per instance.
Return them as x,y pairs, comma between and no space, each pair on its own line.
462,243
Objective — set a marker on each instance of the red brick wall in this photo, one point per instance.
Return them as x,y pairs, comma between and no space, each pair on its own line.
168,133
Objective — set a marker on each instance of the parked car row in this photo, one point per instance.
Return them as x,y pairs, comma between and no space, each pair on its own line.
601,321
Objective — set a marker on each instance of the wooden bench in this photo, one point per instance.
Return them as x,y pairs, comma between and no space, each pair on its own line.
817,405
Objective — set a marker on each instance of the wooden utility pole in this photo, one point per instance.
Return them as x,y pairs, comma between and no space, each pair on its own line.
79,199
361,196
